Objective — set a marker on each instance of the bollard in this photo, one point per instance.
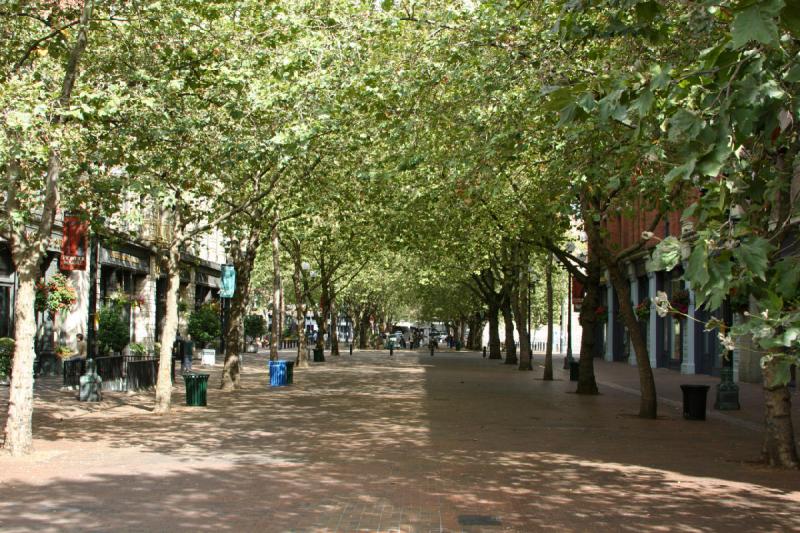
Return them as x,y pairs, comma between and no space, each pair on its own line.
432,348
351,348
391,351
484,352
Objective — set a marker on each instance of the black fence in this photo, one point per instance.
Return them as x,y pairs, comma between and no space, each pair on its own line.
118,373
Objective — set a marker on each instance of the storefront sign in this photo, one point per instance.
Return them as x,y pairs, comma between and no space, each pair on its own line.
228,282
125,258
73,243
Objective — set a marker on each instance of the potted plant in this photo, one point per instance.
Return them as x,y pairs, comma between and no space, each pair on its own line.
254,326
6,356
64,352
643,310
137,349
204,325
54,295
113,332
679,302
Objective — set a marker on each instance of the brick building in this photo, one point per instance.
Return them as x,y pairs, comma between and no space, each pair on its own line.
673,342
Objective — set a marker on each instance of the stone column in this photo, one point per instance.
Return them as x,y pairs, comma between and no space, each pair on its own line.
634,281
610,322
689,337
652,341
75,321
144,316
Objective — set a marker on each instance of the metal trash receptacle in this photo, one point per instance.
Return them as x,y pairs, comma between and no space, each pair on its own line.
196,388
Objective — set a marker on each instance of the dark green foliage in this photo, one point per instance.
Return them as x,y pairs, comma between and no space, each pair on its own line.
6,354
114,331
254,326
204,324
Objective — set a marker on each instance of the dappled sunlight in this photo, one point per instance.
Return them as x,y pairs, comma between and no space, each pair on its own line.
388,444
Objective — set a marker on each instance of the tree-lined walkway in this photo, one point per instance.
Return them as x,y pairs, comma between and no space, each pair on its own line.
411,443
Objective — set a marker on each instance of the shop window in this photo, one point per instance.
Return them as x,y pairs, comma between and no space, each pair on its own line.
6,311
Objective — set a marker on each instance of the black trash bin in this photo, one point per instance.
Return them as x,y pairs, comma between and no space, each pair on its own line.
319,355
196,387
574,370
694,401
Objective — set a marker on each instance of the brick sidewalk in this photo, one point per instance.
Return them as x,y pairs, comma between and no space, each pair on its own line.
411,443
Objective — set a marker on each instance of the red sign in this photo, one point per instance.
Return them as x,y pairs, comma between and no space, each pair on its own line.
577,294
73,243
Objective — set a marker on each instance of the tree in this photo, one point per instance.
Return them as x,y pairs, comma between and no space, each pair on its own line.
32,158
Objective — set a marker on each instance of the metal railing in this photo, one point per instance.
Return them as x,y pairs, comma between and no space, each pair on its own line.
118,372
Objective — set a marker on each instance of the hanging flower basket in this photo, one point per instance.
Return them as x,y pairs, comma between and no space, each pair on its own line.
601,312
643,310
680,302
54,295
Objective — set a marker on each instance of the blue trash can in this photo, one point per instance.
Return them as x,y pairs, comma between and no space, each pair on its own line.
278,374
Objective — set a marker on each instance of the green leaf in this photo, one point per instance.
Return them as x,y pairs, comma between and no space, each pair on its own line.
790,17
683,172
756,23
753,253
793,76
697,269
644,103
684,124
781,371
786,278
711,164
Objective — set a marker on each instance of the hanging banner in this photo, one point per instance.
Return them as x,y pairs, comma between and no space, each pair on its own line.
228,282
73,243
577,294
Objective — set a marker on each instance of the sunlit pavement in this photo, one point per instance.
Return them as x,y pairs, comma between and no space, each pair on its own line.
409,443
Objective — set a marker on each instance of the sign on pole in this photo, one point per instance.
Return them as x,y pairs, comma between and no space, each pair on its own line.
228,282
73,243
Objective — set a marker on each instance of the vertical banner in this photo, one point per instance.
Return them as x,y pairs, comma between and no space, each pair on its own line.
577,294
228,282
73,243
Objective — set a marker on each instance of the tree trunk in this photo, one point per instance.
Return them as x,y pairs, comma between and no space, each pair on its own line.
521,303
494,332
779,448
275,335
548,355
648,407
363,331
588,320
234,330
300,305
19,436
334,327
508,320
164,384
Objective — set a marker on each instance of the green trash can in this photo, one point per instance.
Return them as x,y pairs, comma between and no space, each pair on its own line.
319,355
289,372
196,386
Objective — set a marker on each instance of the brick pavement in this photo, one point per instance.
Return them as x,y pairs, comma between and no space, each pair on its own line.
412,443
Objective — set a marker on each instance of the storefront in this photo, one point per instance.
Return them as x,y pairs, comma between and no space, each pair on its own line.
124,271
7,293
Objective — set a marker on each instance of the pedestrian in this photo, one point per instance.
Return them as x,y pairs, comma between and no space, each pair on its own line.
80,347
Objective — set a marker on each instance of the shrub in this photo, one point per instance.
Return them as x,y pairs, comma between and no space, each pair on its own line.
6,355
254,326
204,324
137,348
113,332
